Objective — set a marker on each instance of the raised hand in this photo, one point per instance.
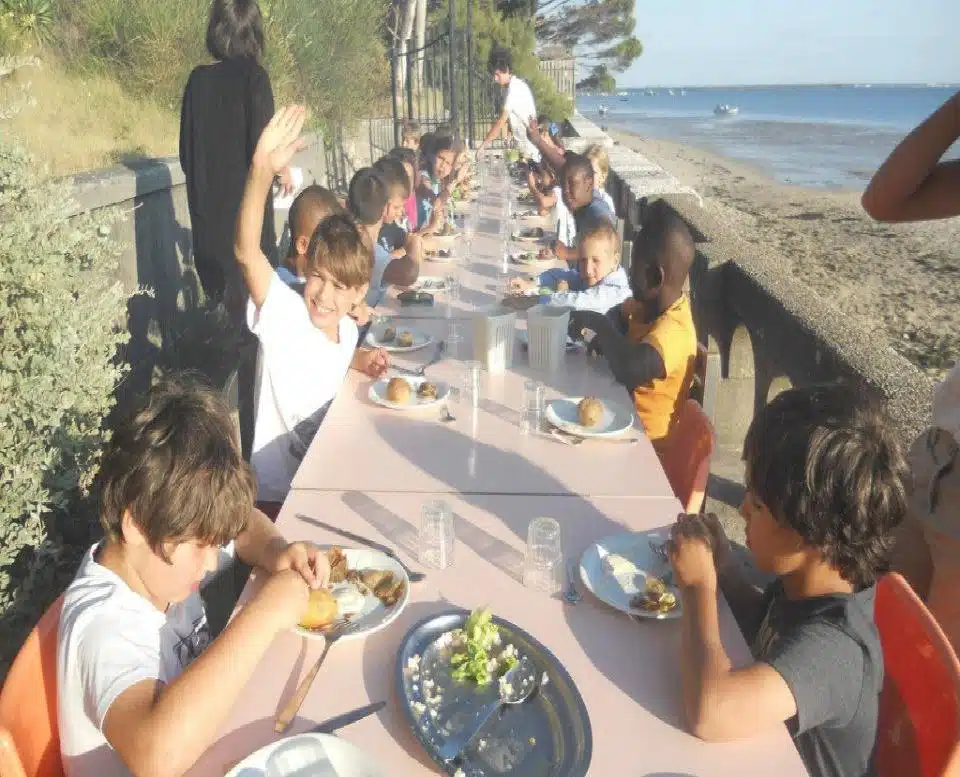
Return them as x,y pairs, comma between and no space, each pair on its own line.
280,139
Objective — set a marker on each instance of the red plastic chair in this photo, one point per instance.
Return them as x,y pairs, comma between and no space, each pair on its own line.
29,736
919,724
686,456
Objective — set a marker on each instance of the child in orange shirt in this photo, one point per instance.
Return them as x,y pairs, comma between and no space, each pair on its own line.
650,340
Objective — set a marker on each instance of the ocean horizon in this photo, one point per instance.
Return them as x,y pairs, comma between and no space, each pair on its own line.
823,136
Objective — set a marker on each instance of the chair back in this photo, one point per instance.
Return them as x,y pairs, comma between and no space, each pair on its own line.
918,731
28,704
686,456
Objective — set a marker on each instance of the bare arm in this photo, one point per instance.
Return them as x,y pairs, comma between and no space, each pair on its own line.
913,184
260,542
549,150
494,132
633,364
278,143
402,271
161,731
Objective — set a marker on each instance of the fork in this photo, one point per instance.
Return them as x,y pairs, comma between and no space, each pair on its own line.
333,633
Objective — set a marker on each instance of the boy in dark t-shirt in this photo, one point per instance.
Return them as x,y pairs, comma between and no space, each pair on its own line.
825,488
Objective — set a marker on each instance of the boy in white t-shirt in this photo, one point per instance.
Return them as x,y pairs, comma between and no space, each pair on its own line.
519,107
141,687
306,349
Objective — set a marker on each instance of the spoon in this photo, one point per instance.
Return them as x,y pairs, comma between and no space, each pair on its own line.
572,595
516,686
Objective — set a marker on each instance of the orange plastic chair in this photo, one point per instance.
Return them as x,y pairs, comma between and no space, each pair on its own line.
686,456
29,737
919,723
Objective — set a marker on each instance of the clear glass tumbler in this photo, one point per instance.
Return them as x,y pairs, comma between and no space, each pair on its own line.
531,411
436,535
543,561
471,384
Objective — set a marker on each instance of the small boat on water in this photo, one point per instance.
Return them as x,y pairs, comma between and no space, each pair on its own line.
602,110
726,110
683,92
623,94
670,92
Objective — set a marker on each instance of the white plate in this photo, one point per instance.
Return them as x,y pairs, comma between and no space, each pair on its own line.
375,338
319,755
378,394
431,283
374,616
562,413
618,591
521,258
524,339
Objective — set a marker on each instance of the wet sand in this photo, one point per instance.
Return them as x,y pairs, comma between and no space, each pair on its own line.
901,279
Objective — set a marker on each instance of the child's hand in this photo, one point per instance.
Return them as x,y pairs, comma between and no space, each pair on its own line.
283,599
520,285
372,362
722,554
690,554
306,559
361,313
280,139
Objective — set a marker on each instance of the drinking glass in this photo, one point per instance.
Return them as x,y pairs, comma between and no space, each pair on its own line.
531,412
454,341
471,384
543,561
436,535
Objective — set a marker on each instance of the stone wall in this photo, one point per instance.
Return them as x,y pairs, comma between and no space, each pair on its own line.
770,329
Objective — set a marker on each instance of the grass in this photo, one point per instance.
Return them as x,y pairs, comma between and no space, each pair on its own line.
82,122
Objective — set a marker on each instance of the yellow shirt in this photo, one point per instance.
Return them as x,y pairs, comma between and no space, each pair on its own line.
675,338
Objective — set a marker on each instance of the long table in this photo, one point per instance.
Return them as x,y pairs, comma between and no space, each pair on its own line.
370,470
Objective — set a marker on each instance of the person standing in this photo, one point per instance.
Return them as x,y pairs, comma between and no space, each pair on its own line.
519,107
226,105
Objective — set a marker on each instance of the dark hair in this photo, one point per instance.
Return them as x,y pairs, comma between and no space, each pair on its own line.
827,464
444,130
409,128
174,462
664,241
574,163
405,155
391,171
500,60
311,207
367,196
235,30
440,144
338,248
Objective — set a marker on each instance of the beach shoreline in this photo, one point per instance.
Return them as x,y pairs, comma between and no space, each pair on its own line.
903,279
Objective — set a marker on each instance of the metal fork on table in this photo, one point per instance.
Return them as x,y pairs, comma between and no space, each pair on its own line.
420,371
333,633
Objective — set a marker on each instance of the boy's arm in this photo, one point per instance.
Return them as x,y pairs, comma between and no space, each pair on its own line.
632,364
160,731
549,151
259,544
413,245
278,143
494,132
402,271
913,184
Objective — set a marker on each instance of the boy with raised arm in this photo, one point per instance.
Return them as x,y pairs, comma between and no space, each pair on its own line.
308,341
825,489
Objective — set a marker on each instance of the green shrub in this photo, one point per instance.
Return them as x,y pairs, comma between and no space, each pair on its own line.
62,315
325,52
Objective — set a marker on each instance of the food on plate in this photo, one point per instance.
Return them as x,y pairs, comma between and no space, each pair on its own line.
590,411
386,586
536,232
562,286
479,655
405,339
398,390
321,611
349,600
619,566
389,335
338,565
427,390
655,598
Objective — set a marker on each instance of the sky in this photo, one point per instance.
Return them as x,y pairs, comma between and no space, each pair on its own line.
734,42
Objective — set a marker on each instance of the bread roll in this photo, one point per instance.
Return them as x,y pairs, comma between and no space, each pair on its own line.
398,390
590,411
321,611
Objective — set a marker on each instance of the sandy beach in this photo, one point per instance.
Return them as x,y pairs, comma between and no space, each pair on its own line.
901,279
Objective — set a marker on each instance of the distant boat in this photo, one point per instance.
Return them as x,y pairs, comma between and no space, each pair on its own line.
622,94
670,92
650,93
726,110
602,110
683,92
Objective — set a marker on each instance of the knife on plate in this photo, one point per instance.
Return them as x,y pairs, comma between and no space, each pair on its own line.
334,724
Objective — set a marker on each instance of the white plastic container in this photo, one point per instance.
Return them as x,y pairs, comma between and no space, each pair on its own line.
547,327
493,340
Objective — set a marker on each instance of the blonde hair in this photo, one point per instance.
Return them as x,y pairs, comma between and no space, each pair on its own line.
603,230
601,163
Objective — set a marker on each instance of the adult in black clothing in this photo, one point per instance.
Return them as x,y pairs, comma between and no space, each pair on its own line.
226,105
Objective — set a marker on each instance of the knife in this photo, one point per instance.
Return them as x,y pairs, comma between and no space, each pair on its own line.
415,577
333,724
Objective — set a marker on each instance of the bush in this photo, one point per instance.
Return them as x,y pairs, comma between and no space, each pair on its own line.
62,316
324,52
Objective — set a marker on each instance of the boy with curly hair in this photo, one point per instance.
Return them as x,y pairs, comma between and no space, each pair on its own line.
825,489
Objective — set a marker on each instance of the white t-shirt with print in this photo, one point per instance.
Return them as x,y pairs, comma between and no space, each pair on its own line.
521,109
110,639
300,371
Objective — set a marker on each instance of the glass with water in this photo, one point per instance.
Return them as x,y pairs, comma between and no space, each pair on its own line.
543,561
436,535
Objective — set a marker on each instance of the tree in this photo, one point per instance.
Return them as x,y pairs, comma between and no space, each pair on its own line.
600,32
599,80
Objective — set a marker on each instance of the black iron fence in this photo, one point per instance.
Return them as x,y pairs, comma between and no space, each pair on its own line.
440,84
